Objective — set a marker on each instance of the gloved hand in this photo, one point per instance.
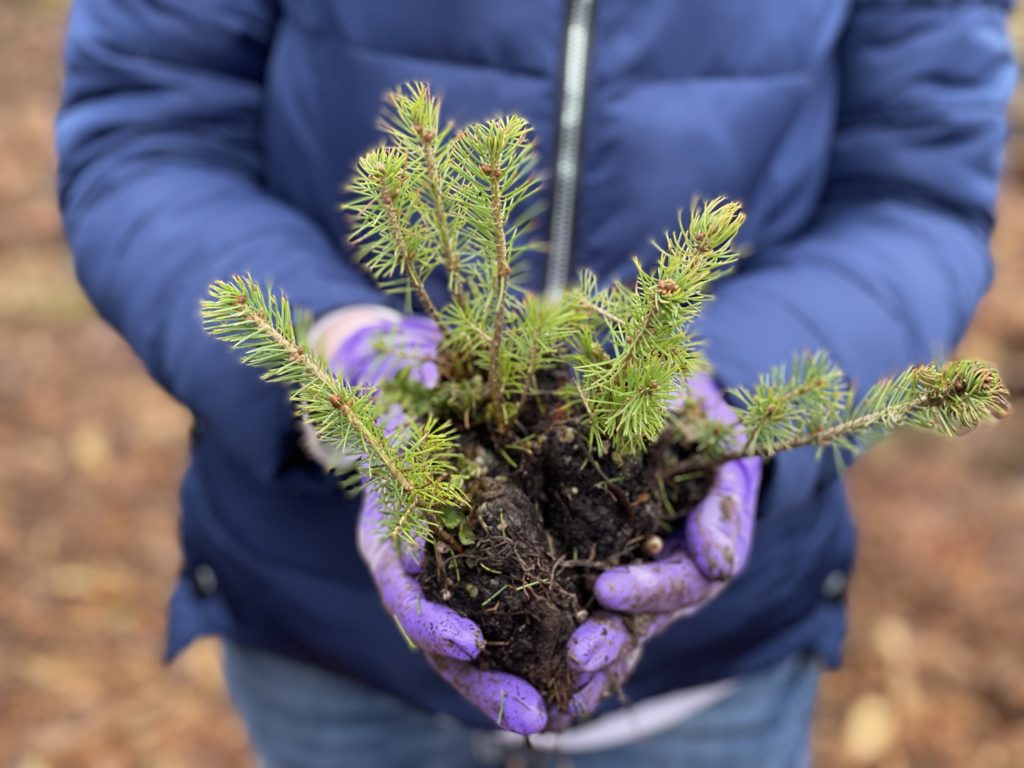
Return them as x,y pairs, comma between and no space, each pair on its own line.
383,344
449,640
602,651
697,563
367,345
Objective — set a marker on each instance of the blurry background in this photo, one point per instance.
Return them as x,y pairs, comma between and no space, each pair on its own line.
91,452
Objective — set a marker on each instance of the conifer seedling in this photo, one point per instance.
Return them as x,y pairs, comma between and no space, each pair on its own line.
550,450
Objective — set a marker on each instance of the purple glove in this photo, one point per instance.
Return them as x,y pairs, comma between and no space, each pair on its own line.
449,640
602,651
373,347
380,349
696,564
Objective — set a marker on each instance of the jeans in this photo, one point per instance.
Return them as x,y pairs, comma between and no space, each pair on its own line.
300,716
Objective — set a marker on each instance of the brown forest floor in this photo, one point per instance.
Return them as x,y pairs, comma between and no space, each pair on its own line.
90,453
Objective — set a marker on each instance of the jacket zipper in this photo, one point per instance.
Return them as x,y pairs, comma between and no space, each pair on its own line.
575,62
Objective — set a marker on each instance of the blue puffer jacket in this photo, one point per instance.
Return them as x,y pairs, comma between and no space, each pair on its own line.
201,139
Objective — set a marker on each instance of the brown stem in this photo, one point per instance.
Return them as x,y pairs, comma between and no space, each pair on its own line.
408,261
501,287
627,355
453,543
608,316
452,260
824,436
612,488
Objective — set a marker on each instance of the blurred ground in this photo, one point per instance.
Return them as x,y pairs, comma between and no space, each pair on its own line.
91,450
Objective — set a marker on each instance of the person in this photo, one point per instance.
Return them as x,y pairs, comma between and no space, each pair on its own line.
200,140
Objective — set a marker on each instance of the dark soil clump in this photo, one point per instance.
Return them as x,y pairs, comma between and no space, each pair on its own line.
544,529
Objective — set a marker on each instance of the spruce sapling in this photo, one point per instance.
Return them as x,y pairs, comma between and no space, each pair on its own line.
557,413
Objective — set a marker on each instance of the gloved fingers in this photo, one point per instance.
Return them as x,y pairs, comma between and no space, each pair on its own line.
355,357
598,642
421,327
649,626
601,684
424,338
407,343
720,529
666,585
434,627
427,374
587,698
377,548
372,540
559,721
595,685
374,367
511,702
414,346
332,328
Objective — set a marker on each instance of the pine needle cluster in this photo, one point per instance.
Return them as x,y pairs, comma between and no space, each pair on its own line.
651,352
413,468
809,403
434,208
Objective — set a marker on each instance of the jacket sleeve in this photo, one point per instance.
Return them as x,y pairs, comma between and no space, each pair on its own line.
891,270
161,191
